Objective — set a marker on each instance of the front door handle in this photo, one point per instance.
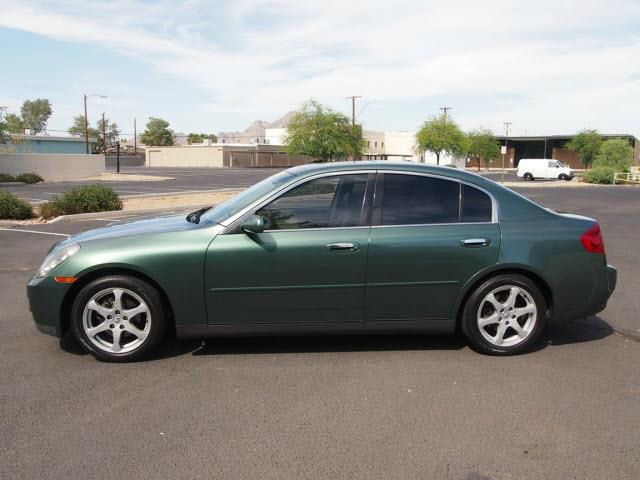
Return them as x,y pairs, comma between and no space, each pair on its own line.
475,242
343,247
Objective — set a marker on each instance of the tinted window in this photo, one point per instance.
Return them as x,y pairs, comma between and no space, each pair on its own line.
413,200
324,202
476,205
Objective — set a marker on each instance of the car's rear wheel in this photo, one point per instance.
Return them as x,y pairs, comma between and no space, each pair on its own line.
118,318
505,315
528,177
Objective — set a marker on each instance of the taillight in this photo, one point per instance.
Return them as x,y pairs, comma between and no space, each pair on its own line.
592,240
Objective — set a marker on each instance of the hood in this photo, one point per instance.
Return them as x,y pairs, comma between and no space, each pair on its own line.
174,223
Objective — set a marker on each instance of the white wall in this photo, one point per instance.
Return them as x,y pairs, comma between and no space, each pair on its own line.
275,136
51,166
191,156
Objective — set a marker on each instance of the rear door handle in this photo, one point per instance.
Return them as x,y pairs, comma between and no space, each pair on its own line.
475,242
343,247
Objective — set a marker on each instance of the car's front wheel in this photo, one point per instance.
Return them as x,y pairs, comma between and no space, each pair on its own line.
504,315
563,176
528,177
118,318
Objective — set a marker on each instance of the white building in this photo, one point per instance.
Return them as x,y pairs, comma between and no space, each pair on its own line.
382,145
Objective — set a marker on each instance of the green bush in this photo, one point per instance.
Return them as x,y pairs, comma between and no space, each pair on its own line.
5,177
599,175
11,207
85,199
616,154
29,178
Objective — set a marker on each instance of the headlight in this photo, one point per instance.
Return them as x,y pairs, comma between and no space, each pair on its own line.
55,258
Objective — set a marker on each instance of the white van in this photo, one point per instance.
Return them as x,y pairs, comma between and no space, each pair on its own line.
532,168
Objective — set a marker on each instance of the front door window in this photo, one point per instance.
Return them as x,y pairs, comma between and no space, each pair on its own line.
326,202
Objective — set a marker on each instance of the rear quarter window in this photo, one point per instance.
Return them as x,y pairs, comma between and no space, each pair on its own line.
476,205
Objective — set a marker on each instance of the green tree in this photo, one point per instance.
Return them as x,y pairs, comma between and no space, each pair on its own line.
322,133
482,144
4,129
111,131
158,133
77,128
201,137
14,123
440,135
616,154
35,114
586,144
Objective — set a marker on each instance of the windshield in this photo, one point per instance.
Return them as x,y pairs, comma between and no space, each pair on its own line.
245,198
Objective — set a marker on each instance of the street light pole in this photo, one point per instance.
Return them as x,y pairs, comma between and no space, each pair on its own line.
506,146
104,135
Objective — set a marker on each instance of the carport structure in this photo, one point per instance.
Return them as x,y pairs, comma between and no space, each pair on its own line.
552,146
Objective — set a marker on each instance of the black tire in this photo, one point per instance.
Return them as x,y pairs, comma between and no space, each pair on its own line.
469,320
563,176
528,177
149,294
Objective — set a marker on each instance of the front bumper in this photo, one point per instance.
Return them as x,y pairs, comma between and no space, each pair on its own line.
46,297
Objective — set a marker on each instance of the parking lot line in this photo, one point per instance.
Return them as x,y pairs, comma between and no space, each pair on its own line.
33,231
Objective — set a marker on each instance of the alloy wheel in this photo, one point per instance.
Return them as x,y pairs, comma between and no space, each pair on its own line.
116,320
507,315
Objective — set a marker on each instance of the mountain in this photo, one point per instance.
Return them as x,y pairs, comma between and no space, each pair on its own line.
254,133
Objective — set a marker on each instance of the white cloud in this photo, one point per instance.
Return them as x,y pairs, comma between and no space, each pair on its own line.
568,63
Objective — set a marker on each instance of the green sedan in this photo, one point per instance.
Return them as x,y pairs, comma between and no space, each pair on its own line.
340,248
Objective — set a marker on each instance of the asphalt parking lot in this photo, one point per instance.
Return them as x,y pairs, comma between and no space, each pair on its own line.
184,180
414,407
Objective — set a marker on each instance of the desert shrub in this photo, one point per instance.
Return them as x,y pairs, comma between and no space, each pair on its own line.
5,177
50,210
84,199
29,178
11,207
599,175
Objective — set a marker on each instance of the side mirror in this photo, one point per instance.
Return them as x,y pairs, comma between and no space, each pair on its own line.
253,224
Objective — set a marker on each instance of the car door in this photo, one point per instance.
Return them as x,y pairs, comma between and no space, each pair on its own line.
429,236
307,266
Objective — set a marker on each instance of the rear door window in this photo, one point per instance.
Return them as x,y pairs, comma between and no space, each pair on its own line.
417,200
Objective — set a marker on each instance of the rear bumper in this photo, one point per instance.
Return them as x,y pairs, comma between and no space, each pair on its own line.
606,280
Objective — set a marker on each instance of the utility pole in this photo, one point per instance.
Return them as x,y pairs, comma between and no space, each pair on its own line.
353,108
506,146
86,120
135,138
86,127
445,110
353,118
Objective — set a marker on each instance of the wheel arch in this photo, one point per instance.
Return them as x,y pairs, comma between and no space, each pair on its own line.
525,271
88,277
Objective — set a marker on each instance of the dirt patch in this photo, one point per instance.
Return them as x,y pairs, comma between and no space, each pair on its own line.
212,198
126,177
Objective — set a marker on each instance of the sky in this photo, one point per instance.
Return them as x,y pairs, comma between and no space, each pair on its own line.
549,67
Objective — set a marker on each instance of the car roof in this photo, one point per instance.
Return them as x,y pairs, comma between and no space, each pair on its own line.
407,166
